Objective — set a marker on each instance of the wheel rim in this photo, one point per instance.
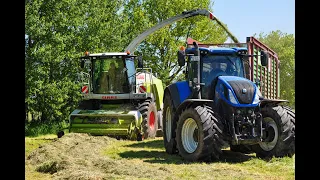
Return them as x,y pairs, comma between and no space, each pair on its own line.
151,120
189,135
168,124
271,134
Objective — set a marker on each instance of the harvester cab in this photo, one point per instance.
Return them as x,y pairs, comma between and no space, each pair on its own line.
115,73
118,99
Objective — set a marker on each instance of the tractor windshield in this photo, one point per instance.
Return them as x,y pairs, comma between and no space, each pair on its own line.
214,65
109,76
226,65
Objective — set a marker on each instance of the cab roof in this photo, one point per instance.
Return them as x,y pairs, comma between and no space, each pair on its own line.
217,50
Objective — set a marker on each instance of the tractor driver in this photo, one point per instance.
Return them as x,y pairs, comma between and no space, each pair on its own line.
217,68
114,82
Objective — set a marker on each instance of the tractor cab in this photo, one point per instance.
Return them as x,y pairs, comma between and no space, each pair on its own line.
213,62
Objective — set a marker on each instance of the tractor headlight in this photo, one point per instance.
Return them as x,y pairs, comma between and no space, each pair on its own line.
232,98
257,96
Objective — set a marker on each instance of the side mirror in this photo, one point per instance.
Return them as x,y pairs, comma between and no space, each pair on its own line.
140,62
82,63
181,58
264,58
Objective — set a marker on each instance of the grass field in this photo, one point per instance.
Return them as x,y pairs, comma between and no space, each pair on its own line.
79,156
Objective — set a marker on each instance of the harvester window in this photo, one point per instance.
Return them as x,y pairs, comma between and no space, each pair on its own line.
109,77
131,70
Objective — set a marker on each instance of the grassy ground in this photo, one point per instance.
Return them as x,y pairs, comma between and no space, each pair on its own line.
32,144
79,156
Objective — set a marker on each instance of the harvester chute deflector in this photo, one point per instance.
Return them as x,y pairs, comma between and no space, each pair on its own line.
186,14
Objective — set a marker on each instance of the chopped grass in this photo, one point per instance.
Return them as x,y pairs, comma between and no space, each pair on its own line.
32,143
80,156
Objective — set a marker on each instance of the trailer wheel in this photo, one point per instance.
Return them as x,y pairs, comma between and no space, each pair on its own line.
199,134
246,149
169,125
148,111
279,134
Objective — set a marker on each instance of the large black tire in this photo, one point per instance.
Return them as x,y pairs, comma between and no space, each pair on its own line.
280,134
205,142
148,111
246,149
169,125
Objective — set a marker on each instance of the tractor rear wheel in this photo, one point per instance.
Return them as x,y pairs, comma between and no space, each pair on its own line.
148,111
199,134
169,125
279,134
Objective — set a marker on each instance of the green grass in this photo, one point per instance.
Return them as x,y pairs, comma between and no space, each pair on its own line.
32,143
86,157
151,155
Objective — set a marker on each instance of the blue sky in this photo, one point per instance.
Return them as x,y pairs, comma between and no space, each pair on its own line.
246,17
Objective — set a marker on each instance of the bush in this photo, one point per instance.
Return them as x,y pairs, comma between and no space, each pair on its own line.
36,128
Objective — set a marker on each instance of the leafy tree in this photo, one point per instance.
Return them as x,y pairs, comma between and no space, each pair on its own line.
57,34
284,45
159,50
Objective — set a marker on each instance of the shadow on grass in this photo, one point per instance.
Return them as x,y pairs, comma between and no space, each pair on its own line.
154,156
235,157
156,144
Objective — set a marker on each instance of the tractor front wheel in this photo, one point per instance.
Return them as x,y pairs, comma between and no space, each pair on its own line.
199,134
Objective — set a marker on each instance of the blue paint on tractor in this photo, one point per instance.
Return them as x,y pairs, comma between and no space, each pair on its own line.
224,80
183,89
233,78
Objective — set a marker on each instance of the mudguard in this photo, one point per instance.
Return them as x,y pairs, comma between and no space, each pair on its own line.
178,92
194,102
272,102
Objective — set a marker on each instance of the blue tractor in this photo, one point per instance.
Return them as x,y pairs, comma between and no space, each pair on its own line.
216,106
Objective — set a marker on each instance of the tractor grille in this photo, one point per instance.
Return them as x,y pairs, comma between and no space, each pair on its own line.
239,86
